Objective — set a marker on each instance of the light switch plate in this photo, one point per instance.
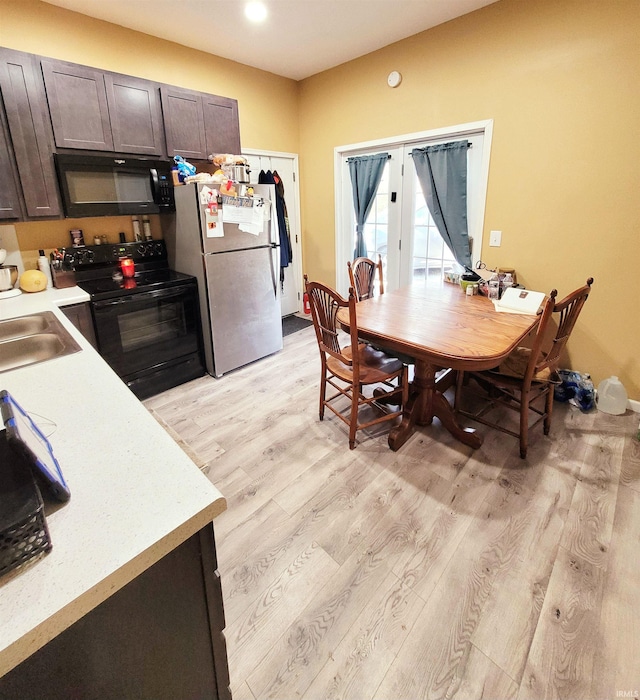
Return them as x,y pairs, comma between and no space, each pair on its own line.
495,238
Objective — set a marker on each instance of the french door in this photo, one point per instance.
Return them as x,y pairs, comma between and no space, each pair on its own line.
399,227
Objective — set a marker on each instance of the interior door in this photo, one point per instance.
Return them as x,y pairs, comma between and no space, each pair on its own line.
286,166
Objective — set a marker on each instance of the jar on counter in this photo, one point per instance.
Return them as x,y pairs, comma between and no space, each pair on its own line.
494,288
137,234
146,228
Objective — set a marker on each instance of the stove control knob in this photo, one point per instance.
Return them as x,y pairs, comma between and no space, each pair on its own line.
157,247
90,256
141,249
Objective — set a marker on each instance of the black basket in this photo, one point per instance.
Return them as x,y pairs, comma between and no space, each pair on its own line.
24,534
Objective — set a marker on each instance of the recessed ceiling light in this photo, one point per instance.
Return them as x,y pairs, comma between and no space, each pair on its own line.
255,11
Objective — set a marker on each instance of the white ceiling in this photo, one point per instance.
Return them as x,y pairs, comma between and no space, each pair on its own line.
299,38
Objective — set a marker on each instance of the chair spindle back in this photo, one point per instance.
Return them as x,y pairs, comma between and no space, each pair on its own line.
568,309
362,275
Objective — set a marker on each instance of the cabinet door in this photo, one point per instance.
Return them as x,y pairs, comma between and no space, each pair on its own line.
221,127
183,123
159,637
136,119
80,316
78,106
25,105
9,197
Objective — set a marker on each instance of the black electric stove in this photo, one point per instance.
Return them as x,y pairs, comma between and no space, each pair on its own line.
147,326
116,285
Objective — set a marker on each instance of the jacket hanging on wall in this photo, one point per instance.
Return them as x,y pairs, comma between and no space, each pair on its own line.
286,253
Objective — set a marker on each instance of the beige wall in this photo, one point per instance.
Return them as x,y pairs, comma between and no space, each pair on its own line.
559,79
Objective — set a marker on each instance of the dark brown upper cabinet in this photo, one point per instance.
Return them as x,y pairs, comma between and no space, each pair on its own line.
183,123
29,132
101,111
136,117
221,127
198,125
9,197
77,100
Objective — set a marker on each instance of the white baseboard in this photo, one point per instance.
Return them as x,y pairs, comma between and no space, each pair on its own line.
633,405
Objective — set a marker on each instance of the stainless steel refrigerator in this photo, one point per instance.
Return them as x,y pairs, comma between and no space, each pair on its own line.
238,278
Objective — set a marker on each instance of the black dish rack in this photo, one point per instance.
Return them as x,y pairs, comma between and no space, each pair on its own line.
24,534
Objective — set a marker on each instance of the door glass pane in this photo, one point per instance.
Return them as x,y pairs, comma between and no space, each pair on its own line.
431,256
377,224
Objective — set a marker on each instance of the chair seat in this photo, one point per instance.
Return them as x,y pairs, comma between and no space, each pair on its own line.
375,366
515,365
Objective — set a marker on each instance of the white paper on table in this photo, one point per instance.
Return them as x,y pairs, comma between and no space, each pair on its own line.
519,301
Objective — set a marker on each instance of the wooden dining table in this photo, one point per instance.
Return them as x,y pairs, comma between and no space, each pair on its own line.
443,330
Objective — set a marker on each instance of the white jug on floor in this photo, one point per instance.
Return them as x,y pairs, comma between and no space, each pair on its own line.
612,396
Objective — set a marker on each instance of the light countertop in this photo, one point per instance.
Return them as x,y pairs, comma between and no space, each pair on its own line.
135,495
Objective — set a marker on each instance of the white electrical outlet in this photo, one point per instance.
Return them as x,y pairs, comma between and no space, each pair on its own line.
495,238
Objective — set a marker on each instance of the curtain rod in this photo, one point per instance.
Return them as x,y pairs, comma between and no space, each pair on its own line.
469,145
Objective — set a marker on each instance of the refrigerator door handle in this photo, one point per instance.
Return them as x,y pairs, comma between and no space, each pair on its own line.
274,279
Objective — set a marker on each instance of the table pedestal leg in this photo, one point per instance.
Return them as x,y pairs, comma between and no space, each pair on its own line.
425,402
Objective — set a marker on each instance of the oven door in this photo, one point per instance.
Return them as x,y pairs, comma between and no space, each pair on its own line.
143,332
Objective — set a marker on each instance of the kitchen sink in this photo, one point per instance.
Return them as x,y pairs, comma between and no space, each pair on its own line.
31,339
26,325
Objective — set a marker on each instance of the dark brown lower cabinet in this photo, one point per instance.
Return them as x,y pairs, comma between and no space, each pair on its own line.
80,316
161,636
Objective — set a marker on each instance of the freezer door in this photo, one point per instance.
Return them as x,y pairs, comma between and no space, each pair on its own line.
234,238
244,305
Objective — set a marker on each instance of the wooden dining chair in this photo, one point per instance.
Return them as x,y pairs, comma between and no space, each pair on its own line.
362,276
527,374
348,369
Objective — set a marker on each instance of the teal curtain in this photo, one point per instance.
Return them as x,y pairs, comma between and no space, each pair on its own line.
366,173
442,173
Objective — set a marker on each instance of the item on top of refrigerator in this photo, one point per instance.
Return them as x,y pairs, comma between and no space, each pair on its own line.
204,178
221,159
185,169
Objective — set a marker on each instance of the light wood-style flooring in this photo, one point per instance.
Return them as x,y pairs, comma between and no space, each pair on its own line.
433,572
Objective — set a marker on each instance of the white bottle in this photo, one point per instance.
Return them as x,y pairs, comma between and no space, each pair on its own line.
137,235
43,266
612,396
146,228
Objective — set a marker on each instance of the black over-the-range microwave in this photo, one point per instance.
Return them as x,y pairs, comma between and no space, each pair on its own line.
111,186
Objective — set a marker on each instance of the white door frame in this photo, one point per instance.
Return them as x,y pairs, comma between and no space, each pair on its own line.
294,216
344,234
